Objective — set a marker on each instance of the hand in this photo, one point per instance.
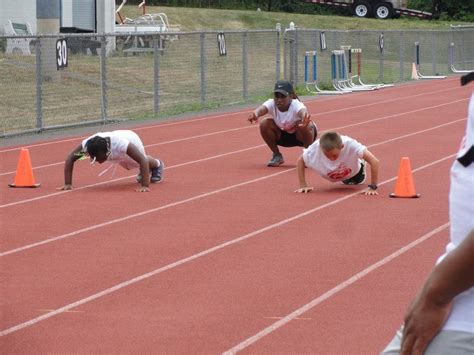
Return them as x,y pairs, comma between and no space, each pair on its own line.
423,320
304,190
66,187
370,192
143,189
252,118
305,122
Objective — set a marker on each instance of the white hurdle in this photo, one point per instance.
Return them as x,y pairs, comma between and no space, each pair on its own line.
417,65
452,61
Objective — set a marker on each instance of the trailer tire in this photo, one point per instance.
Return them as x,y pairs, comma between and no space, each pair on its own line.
362,8
383,11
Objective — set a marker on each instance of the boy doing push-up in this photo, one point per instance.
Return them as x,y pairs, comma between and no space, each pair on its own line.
338,158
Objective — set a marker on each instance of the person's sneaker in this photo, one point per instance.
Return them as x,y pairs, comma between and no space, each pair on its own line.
276,160
139,178
157,173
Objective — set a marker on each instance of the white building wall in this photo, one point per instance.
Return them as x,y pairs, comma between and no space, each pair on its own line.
21,11
66,13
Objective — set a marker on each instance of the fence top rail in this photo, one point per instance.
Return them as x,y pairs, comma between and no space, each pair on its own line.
132,33
447,30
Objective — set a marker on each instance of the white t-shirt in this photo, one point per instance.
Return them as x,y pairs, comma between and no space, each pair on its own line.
461,216
119,141
344,167
288,120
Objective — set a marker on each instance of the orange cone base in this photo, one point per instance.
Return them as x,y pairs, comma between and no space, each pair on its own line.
414,196
30,186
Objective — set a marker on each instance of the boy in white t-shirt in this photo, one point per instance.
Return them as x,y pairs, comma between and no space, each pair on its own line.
290,124
338,158
122,147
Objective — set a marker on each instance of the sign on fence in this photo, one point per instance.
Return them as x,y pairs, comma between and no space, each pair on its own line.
61,53
221,44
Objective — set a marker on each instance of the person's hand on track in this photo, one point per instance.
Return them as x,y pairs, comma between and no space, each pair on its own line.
304,190
66,187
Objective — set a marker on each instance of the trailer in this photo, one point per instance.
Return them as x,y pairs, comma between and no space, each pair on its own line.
376,8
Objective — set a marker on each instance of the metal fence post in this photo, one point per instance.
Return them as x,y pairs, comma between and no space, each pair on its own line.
296,58
203,68
433,53
402,56
278,50
39,86
244,65
156,76
103,78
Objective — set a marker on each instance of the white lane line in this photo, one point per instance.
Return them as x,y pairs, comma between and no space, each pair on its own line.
219,156
130,176
251,126
139,214
237,113
340,287
197,255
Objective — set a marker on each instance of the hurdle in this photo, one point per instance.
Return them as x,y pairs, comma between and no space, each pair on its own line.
348,73
452,61
358,53
341,82
417,65
314,83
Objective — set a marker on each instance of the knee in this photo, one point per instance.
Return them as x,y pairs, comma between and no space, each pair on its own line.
267,126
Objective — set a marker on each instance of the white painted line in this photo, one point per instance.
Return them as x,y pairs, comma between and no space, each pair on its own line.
193,257
130,176
254,126
219,156
343,285
237,113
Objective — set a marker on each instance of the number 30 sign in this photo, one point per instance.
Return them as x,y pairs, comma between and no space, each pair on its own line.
61,53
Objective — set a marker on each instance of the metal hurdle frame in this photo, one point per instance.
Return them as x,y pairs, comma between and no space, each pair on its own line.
417,64
349,83
314,83
358,52
340,81
451,61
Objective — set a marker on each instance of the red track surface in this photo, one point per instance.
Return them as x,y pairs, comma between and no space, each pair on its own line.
221,254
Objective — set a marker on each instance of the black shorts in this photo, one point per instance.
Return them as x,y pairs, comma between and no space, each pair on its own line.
290,140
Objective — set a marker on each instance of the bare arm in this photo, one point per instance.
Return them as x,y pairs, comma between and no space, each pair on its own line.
259,111
300,166
374,170
69,167
134,153
431,307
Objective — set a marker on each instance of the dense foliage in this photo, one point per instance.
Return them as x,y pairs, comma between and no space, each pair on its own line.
449,9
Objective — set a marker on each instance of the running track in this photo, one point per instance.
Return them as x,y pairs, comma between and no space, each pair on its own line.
223,256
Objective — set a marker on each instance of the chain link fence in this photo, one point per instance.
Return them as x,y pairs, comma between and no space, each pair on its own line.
148,75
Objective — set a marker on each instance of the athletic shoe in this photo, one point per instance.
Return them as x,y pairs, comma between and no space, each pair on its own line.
157,173
276,160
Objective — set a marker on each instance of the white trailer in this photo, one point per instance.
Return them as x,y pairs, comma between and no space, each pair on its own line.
379,9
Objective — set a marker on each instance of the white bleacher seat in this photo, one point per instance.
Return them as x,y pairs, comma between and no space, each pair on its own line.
18,45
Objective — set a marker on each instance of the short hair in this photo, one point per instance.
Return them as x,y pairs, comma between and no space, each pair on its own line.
330,140
95,145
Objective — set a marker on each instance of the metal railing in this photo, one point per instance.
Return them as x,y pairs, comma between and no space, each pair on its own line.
134,76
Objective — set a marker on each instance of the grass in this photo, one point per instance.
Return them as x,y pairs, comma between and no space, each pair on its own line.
197,19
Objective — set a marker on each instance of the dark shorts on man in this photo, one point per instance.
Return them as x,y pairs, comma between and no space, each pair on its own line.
290,140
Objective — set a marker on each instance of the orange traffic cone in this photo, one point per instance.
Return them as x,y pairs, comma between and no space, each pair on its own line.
405,186
24,173
414,72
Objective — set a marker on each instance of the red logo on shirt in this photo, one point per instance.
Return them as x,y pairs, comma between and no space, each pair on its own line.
339,173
